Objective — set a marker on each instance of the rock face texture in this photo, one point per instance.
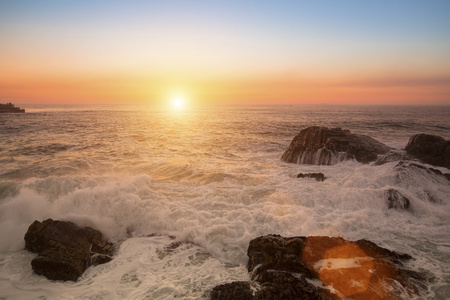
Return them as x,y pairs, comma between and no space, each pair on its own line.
324,146
322,268
431,149
316,176
65,250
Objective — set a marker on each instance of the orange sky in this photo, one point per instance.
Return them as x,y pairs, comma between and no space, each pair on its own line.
219,53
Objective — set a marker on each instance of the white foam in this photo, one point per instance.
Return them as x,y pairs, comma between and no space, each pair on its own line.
143,268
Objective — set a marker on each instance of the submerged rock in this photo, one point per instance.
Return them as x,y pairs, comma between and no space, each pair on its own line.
324,146
396,200
391,156
431,149
64,249
404,167
320,267
316,176
420,181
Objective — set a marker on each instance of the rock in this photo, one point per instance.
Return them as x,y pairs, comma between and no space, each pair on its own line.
419,179
239,290
320,267
396,200
431,149
65,250
316,176
404,167
324,146
281,285
391,156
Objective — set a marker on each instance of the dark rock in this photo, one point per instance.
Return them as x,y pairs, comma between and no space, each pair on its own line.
396,200
285,268
239,290
279,285
410,175
316,176
325,146
405,167
391,156
65,250
276,253
431,149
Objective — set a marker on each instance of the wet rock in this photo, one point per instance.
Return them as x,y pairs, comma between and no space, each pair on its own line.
239,290
391,156
64,249
396,200
404,167
316,176
324,146
431,149
279,285
418,180
320,267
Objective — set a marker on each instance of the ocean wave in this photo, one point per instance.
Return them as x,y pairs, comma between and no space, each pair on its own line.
47,149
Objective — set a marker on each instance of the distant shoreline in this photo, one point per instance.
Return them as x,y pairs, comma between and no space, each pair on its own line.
10,108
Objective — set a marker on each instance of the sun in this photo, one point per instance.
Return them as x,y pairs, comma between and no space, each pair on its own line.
178,102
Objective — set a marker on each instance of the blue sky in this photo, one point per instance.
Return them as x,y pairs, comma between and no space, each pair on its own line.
339,42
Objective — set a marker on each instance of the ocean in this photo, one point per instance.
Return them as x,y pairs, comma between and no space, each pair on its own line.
212,179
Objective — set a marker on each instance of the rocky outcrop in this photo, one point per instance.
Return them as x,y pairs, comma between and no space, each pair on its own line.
316,176
431,149
65,250
322,268
396,200
324,146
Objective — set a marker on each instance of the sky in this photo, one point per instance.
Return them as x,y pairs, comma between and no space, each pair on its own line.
225,52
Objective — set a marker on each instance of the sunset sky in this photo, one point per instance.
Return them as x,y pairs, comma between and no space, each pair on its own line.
224,52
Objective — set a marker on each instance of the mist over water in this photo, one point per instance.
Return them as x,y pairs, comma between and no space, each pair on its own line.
211,178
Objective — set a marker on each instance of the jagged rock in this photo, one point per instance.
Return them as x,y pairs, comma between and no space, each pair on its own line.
319,267
64,249
396,200
316,176
325,146
431,149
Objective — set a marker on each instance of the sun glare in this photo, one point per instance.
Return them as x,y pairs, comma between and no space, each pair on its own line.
178,102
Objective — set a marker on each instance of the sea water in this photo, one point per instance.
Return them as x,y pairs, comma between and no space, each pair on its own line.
183,192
